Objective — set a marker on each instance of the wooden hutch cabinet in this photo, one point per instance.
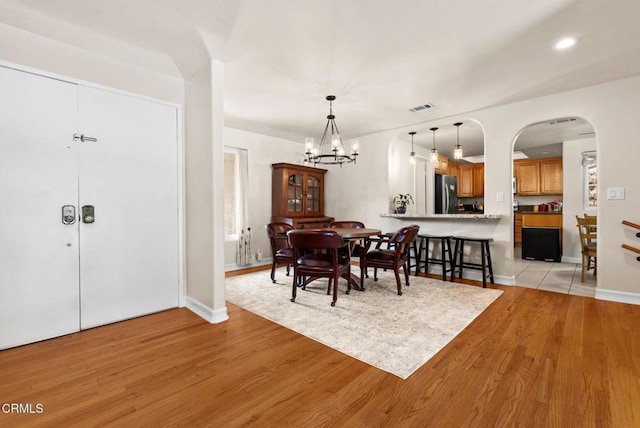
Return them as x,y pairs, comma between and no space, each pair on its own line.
298,196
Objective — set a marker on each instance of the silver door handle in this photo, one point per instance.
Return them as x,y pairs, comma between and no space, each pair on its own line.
84,138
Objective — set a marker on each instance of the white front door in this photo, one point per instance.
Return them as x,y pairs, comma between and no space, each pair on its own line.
39,287
58,278
129,254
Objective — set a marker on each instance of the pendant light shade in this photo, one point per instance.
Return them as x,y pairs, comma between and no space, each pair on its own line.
457,151
412,155
434,151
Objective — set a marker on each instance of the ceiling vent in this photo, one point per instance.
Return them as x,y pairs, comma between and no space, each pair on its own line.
559,121
422,107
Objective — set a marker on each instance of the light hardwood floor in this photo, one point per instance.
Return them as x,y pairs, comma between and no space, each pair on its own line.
532,359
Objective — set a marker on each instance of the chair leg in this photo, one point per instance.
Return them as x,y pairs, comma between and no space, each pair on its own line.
335,289
583,263
455,261
349,280
375,273
294,288
483,255
398,282
490,263
444,263
288,266
406,267
273,272
450,257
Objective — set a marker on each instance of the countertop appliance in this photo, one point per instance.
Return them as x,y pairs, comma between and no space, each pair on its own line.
446,194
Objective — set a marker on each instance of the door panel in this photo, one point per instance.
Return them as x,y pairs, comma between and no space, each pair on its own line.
39,286
129,255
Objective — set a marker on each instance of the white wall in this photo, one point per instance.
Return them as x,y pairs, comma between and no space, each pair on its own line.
262,152
609,107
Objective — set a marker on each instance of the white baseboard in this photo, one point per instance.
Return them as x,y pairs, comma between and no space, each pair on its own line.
576,260
234,266
477,276
618,296
213,316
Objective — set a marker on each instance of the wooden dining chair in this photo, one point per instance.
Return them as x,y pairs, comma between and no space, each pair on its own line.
316,254
281,251
358,248
587,228
395,256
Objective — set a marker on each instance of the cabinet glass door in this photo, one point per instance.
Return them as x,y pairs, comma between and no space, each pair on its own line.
294,193
313,194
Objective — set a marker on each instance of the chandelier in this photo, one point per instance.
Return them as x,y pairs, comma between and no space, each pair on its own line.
335,154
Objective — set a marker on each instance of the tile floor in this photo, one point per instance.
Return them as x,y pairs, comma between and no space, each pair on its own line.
550,276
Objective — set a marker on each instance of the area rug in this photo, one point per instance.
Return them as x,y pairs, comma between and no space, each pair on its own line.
397,334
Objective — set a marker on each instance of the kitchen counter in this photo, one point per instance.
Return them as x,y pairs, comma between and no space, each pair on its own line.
536,212
464,216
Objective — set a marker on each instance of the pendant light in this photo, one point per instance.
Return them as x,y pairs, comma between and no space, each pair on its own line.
434,151
412,155
457,150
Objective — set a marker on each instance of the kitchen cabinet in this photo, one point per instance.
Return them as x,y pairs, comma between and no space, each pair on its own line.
297,196
527,177
465,181
471,181
541,220
454,170
538,176
551,176
528,219
517,229
442,165
478,180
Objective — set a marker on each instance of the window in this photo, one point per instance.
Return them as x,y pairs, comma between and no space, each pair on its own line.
235,174
590,173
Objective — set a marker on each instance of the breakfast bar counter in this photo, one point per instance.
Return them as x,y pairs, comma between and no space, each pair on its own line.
443,216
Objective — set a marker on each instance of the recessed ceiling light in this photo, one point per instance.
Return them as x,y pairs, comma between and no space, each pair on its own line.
566,43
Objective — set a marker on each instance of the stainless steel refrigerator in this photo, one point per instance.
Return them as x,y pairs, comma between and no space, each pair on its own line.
446,194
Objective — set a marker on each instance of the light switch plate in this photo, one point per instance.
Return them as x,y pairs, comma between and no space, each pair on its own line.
500,197
615,193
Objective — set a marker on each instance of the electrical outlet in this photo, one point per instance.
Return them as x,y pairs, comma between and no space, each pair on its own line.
615,193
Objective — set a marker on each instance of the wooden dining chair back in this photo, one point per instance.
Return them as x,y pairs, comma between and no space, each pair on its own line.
316,254
587,228
281,250
358,248
395,256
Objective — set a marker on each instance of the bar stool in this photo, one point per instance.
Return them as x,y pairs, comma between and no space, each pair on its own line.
445,246
460,264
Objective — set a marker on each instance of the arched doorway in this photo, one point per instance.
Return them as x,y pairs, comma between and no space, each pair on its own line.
555,169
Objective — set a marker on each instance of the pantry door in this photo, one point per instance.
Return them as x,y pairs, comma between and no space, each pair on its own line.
39,287
129,175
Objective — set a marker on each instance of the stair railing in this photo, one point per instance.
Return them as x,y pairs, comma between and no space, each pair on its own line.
629,247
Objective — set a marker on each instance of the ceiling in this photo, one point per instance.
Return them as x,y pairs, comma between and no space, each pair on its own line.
282,57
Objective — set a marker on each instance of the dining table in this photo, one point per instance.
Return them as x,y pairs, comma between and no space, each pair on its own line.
353,234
